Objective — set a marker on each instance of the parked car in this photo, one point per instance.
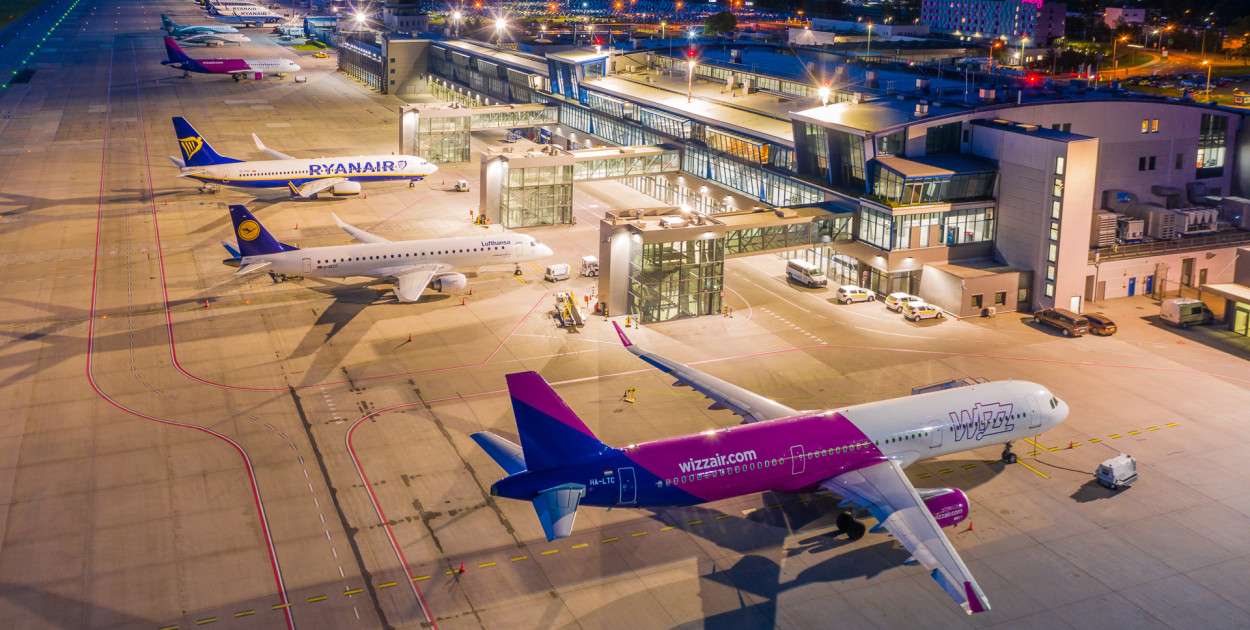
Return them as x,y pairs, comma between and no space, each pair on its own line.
1069,324
895,301
850,293
320,54
1100,324
916,311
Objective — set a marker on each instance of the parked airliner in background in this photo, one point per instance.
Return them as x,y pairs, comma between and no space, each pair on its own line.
857,453
196,29
303,177
244,11
233,67
213,39
410,265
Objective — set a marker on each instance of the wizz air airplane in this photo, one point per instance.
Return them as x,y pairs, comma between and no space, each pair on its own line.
857,453
233,67
303,177
177,31
410,265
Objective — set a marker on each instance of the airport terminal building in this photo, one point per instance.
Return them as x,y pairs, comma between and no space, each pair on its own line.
967,190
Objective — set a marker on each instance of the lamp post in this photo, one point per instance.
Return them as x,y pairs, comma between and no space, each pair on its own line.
689,80
501,26
456,18
868,53
1115,63
1208,65
1022,42
824,95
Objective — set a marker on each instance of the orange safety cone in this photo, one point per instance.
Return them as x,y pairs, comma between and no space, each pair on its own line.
969,525
461,568
461,301
410,337
205,303
1071,445
297,226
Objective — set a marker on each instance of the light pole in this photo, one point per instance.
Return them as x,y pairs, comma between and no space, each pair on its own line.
689,80
501,26
1208,65
1115,63
456,18
1022,42
824,95
869,52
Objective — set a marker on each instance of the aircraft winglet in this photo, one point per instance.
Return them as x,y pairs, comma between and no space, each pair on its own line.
624,340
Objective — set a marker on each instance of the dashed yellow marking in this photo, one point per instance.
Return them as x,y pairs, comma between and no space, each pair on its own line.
923,476
1055,448
1039,446
664,529
445,573
550,551
1134,432
635,535
1152,428
418,579
581,545
316,599
775,506
520,558
387,585
1171,424
1114,436
1043,475
608,540
720,516
991,461
204,621
353,591
245,613
801,500
698,522
945,470
967,466
485,564
170,628
278,607
1034,452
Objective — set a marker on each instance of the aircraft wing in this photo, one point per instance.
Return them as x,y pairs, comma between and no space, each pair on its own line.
557,507
256,266
750,405
314,187
411,281
890,497
357,233
277,155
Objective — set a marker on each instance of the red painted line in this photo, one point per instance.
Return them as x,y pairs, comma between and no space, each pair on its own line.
399,212
91,327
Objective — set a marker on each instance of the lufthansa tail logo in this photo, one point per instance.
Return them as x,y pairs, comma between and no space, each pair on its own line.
191,145
248,230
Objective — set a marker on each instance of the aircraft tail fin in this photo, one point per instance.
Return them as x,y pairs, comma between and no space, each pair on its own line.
196,151
551,434
253,238
168,24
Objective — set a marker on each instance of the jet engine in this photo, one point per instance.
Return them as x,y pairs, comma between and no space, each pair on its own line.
948,506
448,283
345,189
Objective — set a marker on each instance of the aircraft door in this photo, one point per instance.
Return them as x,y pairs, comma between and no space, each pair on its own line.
307,265
629,485
518,250
799,463
932,423
1035,416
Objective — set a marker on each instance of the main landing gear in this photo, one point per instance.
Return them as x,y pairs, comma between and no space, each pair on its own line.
853,528
1008,456
517,272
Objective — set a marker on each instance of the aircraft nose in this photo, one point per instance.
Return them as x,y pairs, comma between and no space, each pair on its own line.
544,251
433,167
1061,411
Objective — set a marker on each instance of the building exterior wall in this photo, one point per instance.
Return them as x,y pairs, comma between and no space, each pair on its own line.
988,18
1112,15
1164,271
406,62
1050,21
1241,270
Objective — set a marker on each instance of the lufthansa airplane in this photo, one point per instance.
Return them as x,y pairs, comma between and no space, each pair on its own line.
411,265
304,178
236,68
857,452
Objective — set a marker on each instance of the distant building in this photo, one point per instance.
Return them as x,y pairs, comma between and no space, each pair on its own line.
405,17
1112,15
991,19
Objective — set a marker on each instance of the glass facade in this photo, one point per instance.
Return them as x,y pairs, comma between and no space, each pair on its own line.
892,144
676,279
1212,143
846,158
754,240
895,189
442,140
754,182
618,166
925,229
942,138
541,195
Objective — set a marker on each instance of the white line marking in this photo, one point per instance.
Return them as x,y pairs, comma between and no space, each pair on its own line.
316,502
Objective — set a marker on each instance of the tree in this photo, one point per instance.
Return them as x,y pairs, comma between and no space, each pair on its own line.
719,24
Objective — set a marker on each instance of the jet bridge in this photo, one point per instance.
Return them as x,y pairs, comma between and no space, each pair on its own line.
439,132
531,186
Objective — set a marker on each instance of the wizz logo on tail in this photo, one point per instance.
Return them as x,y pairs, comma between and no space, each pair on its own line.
191,145
982,420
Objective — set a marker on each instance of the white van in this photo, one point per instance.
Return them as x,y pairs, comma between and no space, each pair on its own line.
805,273
1185,311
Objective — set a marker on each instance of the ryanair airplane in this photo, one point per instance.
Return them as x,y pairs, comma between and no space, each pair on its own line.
304,178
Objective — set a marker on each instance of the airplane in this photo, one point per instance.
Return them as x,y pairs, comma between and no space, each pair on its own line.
857,452
304,178
244,12
410,265
175,30
213,39
234,67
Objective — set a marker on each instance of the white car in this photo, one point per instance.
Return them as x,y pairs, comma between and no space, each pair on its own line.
850,293
916,311
895,301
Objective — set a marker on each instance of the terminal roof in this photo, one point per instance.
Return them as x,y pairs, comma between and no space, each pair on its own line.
937,165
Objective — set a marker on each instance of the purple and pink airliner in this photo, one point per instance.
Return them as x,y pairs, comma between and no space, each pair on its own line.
233,67
857,452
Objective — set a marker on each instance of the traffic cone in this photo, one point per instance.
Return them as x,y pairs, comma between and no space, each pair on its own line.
969,525
409,337
205,303
1071,445
461,301
461,568
297,226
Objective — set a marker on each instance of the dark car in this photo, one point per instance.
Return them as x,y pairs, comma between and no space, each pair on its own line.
1100,324
1069,324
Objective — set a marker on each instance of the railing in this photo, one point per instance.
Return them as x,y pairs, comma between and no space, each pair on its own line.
1192,243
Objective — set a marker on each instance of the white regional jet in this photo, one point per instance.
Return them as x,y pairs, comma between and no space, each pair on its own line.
410,265
304,178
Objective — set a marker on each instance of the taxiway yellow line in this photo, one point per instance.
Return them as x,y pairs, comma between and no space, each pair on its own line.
1040,473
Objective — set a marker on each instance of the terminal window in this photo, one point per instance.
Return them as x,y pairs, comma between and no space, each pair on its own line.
1212,141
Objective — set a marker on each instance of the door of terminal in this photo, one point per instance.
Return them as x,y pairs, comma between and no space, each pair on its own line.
1132,286
1148,285
1241,319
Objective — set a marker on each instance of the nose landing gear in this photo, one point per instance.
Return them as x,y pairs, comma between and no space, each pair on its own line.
1008,456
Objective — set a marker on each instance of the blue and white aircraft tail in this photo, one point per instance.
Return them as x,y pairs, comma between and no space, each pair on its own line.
196,151
253,238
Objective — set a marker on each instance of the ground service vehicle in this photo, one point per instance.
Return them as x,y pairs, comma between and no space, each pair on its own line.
1117,472
1185,312
590,266
850,293
1069,324
916,311
805,273
895,301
